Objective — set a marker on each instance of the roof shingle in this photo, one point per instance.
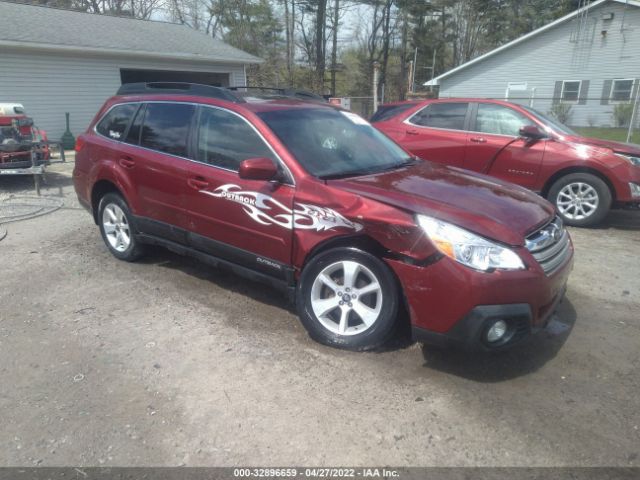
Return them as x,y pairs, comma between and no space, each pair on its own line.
52,27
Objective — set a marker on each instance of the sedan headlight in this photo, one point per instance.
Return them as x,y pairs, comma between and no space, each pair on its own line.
468,248
632,159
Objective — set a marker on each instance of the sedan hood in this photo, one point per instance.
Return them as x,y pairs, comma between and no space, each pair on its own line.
621,147
492,208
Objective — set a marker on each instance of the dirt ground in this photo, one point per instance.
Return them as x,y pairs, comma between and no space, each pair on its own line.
168,362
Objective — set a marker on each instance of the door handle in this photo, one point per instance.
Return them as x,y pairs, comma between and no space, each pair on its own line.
412,132
197,183
478,139
126,162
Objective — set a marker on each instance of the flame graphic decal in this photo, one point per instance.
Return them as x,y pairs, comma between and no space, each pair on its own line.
267,210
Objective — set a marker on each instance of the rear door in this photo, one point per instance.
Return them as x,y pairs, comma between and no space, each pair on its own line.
438,132
495,147
244,221
156,155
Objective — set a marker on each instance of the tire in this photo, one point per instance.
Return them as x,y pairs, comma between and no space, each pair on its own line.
581,199
355,321
116,226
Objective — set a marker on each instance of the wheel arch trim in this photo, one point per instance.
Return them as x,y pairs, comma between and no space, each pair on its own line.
578,169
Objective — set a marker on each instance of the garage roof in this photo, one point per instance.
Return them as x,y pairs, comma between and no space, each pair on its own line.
38,27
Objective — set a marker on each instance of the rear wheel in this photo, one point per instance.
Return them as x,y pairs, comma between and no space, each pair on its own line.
347,298
581,199
116,227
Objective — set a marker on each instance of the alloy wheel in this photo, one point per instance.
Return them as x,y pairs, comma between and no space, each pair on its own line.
577,200
346,297
116,227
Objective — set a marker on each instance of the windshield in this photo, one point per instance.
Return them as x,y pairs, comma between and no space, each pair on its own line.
330,143
551,122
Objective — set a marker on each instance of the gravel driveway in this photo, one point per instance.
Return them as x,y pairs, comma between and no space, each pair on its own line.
168,362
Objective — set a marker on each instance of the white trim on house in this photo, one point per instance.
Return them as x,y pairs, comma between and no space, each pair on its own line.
436,80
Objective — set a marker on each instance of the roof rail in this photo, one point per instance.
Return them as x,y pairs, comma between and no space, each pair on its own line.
179,88
285,92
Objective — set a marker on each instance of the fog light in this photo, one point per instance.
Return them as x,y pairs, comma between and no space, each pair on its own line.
635,189
497,331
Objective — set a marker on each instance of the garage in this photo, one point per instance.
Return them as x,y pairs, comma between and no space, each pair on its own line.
130,75
77,65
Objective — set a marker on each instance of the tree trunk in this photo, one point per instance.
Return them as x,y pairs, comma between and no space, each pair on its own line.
403,58
289,40
320,57
334,47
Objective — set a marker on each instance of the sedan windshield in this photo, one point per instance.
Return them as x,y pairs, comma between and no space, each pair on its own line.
330,143
550,122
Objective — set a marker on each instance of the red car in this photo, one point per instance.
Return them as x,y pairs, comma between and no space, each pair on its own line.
314,200
583,177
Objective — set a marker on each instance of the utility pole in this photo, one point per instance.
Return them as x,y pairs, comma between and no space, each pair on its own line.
376,72
415,67
632,121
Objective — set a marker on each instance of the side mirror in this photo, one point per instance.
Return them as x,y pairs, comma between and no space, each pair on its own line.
258,169
532,132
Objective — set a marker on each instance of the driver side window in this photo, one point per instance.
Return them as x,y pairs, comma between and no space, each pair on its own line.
499,120
225,140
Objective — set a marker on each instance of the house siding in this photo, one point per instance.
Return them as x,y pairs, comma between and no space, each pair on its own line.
48,85
551,57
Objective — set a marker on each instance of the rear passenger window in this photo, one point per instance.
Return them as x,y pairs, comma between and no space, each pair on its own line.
166,127
225,140
133,135
115,123
387,112
442,115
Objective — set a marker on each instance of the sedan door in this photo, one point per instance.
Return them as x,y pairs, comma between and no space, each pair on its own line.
247,222
438,133
496,148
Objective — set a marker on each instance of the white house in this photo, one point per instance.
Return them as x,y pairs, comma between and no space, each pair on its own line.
589,60
55,61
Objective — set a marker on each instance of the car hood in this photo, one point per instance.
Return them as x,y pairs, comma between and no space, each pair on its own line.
621,147
492,208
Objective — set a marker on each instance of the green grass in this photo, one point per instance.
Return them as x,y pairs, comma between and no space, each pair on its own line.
616,134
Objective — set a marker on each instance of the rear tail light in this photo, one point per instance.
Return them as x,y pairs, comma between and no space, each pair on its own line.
79,143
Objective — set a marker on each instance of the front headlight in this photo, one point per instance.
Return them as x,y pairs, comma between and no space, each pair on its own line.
467,248
632,159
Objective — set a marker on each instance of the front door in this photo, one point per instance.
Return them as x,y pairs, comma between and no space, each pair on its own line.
495,147
247,222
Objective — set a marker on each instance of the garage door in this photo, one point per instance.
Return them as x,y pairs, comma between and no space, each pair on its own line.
205,78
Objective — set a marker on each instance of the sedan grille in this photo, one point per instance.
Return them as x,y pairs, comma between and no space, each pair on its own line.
550,246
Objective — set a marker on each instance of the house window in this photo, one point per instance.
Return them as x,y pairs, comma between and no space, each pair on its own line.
621,90
570,90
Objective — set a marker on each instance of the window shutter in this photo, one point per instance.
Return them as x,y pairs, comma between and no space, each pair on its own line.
584,92
557,91
606,92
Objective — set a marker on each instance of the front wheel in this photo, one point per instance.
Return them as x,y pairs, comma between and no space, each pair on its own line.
581,199
347,298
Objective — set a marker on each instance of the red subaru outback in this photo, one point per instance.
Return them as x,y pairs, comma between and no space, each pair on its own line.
583,177
313,199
